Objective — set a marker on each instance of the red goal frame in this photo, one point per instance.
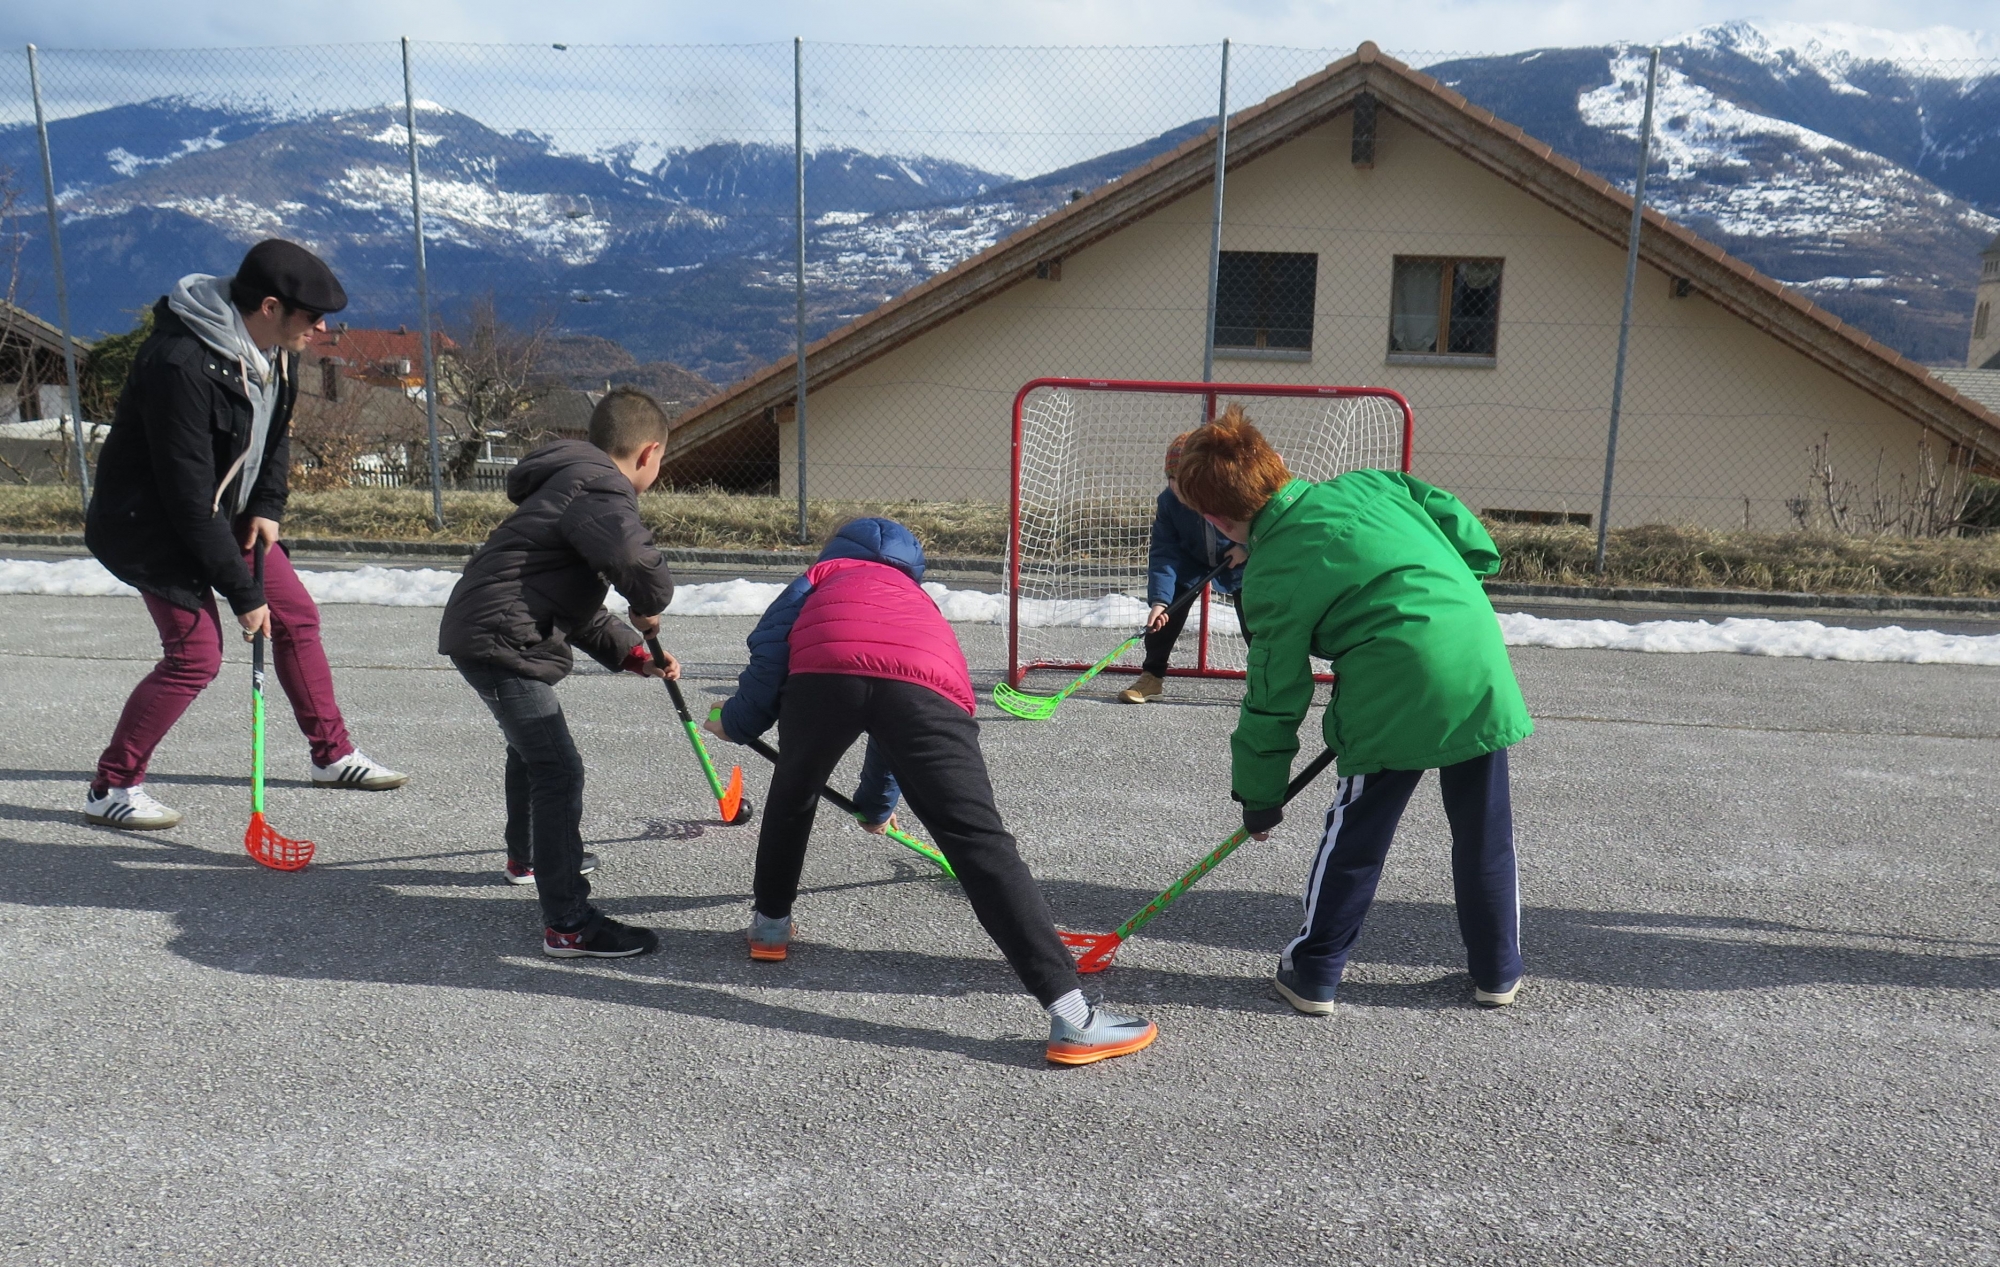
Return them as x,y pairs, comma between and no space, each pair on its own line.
1016,671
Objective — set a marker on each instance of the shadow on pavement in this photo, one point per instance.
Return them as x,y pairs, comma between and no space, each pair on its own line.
397,925
1620,949
354,923
154,781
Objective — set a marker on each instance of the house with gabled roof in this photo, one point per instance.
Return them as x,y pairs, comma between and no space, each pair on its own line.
33,377
1379,230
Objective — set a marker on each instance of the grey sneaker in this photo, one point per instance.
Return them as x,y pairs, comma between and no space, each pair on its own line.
1313,1000
131,808
1104,1035
769,938
1496,998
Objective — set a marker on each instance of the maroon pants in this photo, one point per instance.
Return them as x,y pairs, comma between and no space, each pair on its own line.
191,646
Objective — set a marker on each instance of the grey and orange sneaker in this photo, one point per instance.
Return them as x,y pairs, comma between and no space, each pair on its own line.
769,938
1104,1035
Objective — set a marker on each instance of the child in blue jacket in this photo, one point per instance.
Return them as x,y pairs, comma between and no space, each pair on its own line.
1184,549
760,687
857,647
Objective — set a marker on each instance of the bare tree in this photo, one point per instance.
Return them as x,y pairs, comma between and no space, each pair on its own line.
491,380
1930,501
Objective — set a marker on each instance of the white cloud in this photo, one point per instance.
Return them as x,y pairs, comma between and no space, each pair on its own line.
1451,25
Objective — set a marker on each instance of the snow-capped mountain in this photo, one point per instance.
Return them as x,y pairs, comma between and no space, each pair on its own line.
1861,166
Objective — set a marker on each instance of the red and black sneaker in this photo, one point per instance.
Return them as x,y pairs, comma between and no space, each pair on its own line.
521,873
601,937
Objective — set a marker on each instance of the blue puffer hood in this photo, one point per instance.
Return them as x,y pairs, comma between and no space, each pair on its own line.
877,541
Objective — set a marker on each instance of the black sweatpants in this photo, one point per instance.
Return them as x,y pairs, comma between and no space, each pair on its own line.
933,749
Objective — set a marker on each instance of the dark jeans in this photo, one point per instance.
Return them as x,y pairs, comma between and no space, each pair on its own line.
1160,642
1359,826
932,746
544,788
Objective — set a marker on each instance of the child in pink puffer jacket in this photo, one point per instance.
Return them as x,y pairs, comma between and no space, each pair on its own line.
855,646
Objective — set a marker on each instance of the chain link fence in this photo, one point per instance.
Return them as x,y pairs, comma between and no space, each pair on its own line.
978,217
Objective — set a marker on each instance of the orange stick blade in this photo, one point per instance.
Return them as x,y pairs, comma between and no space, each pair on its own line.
280,853
732,796
1094,951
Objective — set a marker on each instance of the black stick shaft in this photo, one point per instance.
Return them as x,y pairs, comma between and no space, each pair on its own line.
831,797
1189,594
257,642
673,687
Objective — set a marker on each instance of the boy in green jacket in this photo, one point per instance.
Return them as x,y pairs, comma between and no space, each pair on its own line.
1378,573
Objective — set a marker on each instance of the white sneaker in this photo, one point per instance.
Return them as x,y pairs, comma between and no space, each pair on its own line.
1496,998
358,770
131,808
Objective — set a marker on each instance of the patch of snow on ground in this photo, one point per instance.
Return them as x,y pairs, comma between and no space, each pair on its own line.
1807,639
430,587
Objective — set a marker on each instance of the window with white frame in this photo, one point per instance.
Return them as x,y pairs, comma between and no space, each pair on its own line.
1445,307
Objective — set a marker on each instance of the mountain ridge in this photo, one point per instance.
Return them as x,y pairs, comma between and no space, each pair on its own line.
1829,157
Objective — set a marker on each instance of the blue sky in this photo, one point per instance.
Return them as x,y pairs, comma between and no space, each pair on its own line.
1443,25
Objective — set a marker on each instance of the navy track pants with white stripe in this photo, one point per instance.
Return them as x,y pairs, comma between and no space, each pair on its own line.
1359,826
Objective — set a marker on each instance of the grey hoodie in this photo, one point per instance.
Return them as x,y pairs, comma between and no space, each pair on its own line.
203,302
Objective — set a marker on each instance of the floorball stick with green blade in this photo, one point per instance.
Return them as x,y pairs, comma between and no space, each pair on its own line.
1094,951
735,807
840,802
1042,707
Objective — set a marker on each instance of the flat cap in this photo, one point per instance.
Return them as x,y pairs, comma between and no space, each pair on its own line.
295,275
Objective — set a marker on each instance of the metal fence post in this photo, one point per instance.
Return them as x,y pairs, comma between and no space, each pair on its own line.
423,294
1215,225
799,180
62,281
1625,321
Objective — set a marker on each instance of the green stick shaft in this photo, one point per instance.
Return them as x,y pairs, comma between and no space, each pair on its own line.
257,739
1098,668
930,852
257,695
1221,851
701,751
687,719
1182,885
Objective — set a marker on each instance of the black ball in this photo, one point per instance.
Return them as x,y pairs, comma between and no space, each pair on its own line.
744,809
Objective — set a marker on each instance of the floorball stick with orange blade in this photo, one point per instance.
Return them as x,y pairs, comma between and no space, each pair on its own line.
280,853
1095,951
735,807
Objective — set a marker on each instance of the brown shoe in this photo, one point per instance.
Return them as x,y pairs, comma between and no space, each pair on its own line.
1146,688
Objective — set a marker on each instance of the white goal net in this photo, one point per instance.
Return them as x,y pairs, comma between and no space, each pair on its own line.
1088,467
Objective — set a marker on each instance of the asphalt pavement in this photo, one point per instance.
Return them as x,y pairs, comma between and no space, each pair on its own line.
1760,1024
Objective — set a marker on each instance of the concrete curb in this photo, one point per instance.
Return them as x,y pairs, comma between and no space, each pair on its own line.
780,560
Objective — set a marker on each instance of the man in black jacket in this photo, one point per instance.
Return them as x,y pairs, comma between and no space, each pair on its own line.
193,475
